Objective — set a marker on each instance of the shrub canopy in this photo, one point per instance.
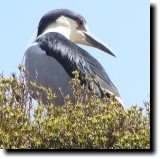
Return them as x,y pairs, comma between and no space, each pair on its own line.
93,124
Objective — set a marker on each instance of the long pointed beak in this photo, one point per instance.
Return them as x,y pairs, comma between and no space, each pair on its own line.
91,41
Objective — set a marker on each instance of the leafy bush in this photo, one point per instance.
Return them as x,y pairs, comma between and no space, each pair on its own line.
90,125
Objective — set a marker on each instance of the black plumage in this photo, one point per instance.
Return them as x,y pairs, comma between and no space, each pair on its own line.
72,57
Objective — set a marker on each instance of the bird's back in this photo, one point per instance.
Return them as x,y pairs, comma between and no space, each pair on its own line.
51,60
46,71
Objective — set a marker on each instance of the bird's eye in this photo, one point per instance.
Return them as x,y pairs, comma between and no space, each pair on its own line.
79,22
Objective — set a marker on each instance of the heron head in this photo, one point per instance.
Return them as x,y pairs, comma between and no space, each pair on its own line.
72,25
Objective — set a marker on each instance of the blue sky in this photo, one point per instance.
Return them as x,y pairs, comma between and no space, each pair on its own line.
123,25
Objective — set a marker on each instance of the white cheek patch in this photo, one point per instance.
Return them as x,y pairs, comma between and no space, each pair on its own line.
64,30
66,22
68,28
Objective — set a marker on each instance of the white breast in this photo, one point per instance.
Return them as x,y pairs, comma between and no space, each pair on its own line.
47,71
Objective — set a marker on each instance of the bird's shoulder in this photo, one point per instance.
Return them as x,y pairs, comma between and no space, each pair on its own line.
73,57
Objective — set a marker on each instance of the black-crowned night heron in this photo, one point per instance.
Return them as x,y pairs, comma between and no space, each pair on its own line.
51,59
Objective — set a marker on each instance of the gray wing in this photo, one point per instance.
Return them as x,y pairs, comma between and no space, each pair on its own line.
72,57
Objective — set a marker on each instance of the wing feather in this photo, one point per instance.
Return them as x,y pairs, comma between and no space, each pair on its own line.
72,57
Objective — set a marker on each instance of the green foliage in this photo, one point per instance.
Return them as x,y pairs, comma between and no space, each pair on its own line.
91,124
